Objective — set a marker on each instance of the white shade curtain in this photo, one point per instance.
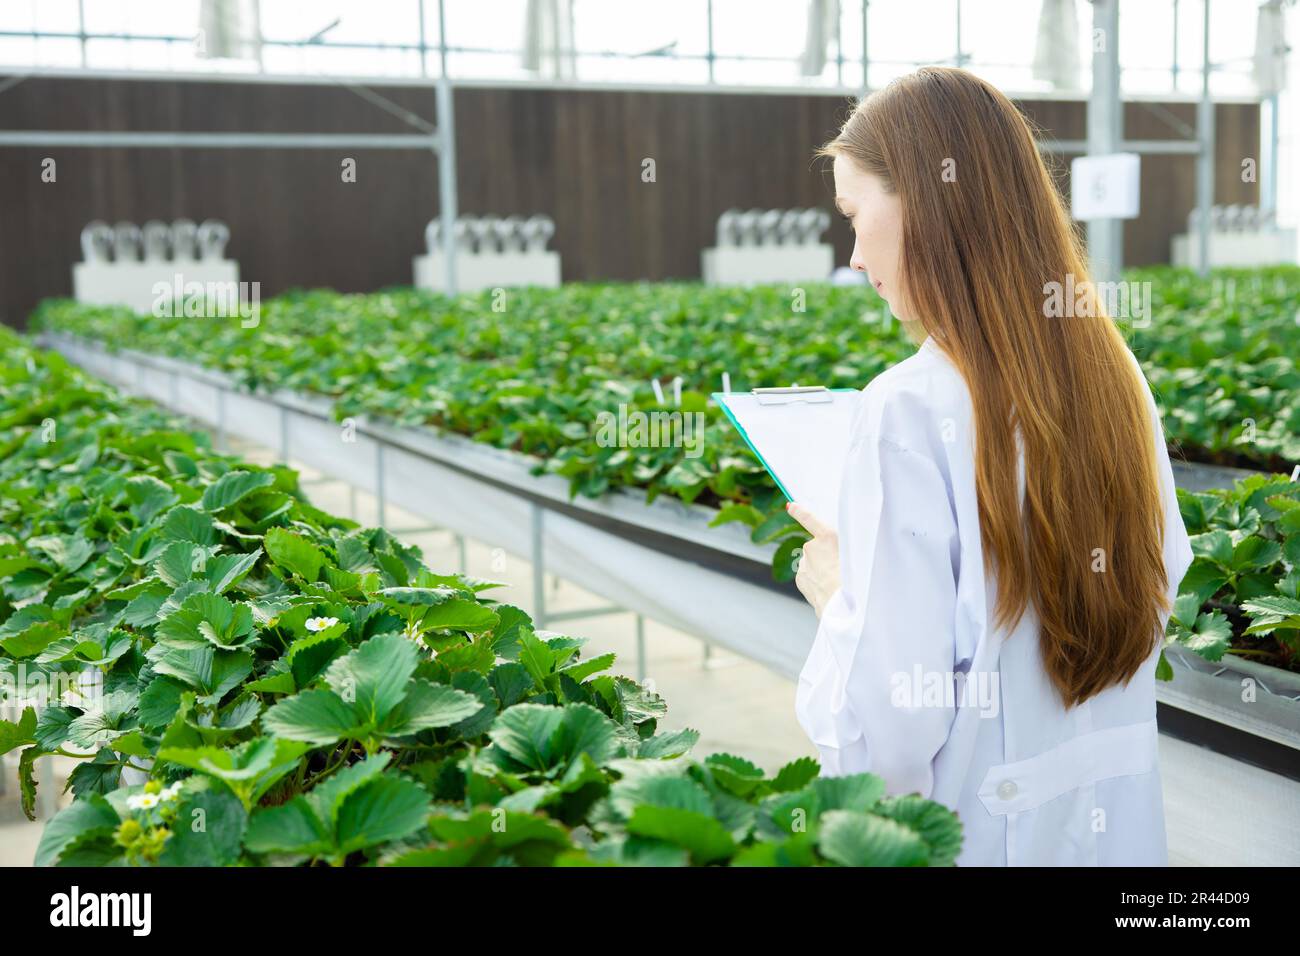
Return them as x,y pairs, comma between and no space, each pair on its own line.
548,39
1271,49
229,30
823,16
1056,55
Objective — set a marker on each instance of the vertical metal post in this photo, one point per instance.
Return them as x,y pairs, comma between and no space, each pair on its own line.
1105,132
865,4
640,648
257,24
460,553
839,46
1205,158
442,38
538,559
284,435
424,46
221,418
381,506
445,148
1175,63
710,51
960,57
1268,161
81,29
447,180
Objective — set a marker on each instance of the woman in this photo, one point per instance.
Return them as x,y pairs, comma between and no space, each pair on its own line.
1009,546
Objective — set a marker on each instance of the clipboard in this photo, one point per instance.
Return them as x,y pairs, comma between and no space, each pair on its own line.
801,434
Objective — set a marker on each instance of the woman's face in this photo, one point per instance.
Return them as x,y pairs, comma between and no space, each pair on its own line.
877,220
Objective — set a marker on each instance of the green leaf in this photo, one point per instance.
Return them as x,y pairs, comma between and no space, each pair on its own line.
459,614
384,809
426,706
795,775
294,553
184,523
79,822
226,570
13,735
375,675
208,670
734,774
1215,546
315,716
862,839
934,823
1209,637
1203,579
702,836
745,514
206,618
1271,612
27,780
249,769
209,827
290,828
542,741
69,552
1255,552
232,486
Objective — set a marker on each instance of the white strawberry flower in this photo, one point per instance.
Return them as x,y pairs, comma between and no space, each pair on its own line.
142,801
172,792
320,623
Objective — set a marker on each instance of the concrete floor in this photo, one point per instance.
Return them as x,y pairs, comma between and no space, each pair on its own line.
742,708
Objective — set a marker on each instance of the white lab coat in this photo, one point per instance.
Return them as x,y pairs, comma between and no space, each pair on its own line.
908,678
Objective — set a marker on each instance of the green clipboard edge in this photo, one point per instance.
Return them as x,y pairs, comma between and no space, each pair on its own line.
745,435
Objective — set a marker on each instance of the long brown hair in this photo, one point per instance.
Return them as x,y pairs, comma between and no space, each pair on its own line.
984,232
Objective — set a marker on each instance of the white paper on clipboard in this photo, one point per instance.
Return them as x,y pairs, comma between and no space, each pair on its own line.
803,444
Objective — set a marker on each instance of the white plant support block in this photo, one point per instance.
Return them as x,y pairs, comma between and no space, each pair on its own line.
752,265
132,283
1237,249
476,271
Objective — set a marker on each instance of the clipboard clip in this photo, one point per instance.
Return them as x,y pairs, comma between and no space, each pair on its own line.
785,395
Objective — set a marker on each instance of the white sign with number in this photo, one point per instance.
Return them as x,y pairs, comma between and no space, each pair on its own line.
1104,187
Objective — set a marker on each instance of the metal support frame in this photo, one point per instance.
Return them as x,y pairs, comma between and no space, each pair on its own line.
380,504
1205,160
542,618
284,435
865,86
1268,159
1105,132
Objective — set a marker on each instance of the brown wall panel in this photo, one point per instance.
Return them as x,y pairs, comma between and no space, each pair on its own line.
575,155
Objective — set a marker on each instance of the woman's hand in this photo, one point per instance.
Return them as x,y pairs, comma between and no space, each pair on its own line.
818,573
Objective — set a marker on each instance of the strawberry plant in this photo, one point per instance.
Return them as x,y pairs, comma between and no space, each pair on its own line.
1241,594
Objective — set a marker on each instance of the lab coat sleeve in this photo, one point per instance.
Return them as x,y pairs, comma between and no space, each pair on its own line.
877,693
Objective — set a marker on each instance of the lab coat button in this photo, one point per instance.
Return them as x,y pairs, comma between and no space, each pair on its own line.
1007,789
